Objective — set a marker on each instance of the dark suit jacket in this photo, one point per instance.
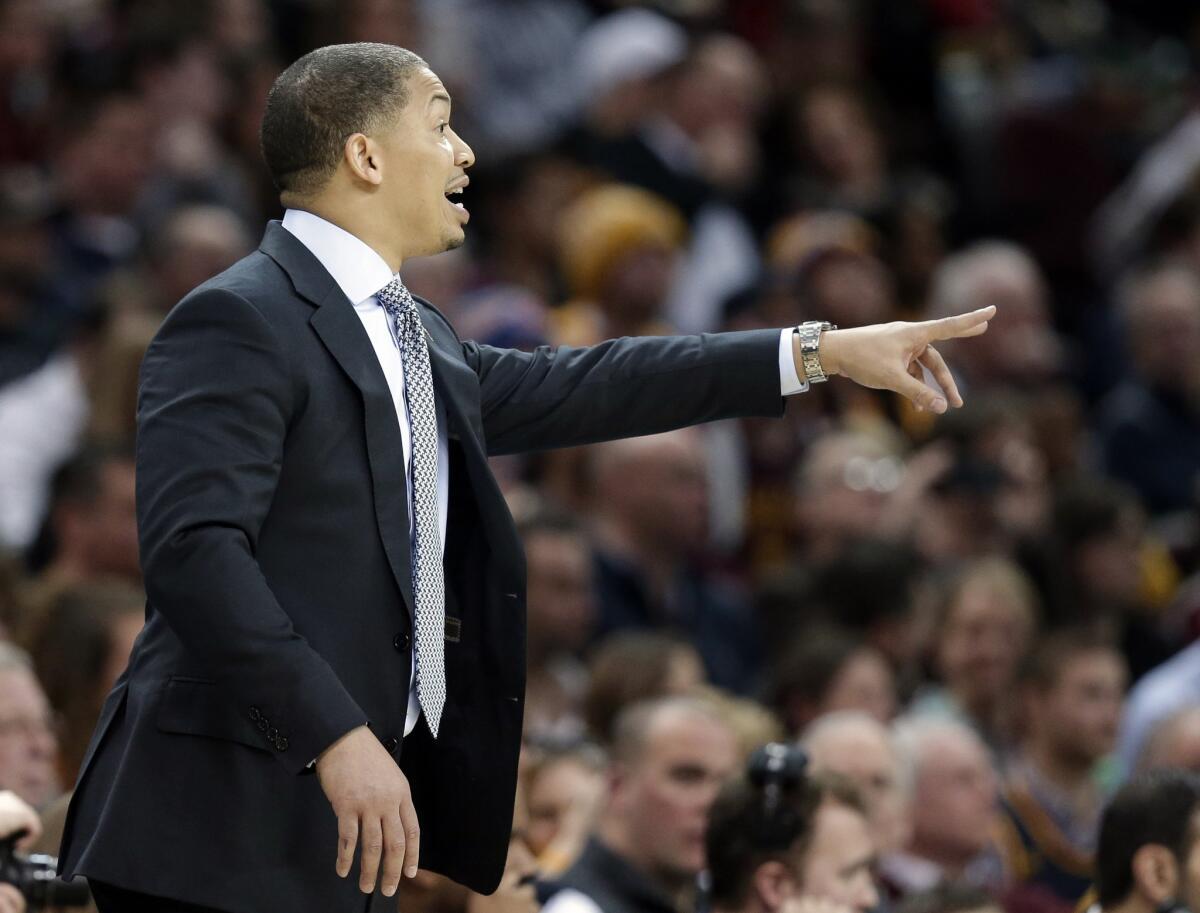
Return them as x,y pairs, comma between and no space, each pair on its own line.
272,515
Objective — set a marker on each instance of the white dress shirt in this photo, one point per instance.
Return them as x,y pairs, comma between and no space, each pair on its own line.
360,272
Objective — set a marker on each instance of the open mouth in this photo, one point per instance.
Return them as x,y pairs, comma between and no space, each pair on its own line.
454,198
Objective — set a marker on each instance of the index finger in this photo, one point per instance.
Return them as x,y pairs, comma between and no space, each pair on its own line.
970,324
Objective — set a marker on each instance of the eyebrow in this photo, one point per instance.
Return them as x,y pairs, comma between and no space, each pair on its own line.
867,862
439,96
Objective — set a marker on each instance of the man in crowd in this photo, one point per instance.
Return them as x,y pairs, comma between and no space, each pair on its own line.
1073,688
954,807
651,518
854,745
1160,693
1174,742
93,524
28,740
670,757
1150,425
560,614
1148,854
803,845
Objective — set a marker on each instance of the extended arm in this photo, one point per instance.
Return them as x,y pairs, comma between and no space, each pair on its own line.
622,388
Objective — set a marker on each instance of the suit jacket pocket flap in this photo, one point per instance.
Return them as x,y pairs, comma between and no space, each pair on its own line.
195,707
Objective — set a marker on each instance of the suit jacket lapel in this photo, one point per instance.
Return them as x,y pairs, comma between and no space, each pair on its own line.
343,335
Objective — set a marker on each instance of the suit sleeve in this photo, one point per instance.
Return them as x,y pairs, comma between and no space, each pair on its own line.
214,404
622,388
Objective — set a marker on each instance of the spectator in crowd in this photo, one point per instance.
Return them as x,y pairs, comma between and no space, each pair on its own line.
1150,425
93,528
28,731
860,748
194,243
954,801
871,589
1148,854
1024,351
1073,687
753,725
80,644
560,616
1174,743
1169,689
565,788
778,840
843,487
633,666
618,247
827,670
985,620
651,502
1101,564
669,759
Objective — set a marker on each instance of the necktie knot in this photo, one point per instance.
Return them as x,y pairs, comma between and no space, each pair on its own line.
396,299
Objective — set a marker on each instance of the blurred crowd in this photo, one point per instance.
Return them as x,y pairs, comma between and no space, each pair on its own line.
983,622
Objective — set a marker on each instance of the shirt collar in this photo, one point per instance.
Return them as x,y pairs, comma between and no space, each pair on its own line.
357,269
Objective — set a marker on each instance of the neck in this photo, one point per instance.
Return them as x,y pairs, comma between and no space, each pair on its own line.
952,864
361,221
614,835
1134,903
658,562
1070,774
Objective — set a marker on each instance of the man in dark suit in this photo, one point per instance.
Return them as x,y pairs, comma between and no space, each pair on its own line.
330,566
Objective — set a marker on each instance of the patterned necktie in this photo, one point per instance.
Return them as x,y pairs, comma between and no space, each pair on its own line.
428,584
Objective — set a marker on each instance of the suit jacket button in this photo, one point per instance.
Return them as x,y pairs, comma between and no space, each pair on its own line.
391,745
272,734
281,743
255,713
402,641
263,725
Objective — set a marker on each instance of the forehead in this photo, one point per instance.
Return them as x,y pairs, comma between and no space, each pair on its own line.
854,749
19,689
839,832
426,90
690,737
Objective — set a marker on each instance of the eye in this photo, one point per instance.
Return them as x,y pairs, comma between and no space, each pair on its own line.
442,127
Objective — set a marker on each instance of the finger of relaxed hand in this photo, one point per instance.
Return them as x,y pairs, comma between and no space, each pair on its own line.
347,840
970,324
393,853
932,359
917,373
371,850
412,836
919,393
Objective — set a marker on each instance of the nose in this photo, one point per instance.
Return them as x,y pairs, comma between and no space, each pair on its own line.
464,156
867,895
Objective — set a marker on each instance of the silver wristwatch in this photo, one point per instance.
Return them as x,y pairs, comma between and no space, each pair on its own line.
810,348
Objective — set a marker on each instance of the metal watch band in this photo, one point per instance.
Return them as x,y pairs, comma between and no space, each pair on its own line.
810,346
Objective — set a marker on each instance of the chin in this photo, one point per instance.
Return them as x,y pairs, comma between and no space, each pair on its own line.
455,242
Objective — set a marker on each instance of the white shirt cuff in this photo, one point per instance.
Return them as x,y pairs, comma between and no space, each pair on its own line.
789,380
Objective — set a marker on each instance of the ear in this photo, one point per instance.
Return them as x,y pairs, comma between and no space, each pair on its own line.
363,157
1155,872
771,884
